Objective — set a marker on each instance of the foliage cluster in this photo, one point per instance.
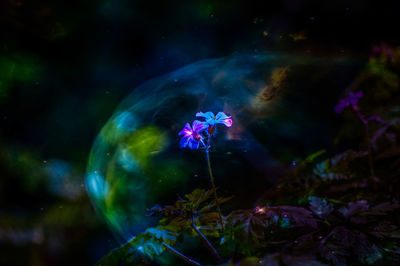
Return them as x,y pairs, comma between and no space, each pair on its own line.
331,209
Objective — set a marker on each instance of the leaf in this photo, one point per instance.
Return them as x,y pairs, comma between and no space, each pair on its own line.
367,252
161,234
297,215
354,208
187,208
312,157
320,207
198,196
335,246
175,224
339,166
209,224
383,208
247,229
335,254
141,249
213,204
305,260
305,244
384,229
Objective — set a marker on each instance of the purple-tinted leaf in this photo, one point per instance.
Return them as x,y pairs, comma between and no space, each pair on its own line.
358,220
343,236
305,244
367,253
354,208
247,225
297,215
334,254
383,208
383,229
320,207
305,260
338,167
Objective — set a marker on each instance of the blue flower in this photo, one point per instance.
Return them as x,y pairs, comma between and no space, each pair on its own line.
191,134
220,118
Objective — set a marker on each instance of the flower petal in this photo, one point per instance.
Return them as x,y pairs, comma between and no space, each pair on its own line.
184,141
354,97
193,144
198,126
340,107
208,115
185,131
211,121
222,118
358,94
227,122
221,115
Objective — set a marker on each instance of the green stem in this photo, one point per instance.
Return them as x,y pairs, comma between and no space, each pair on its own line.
180,255
213,185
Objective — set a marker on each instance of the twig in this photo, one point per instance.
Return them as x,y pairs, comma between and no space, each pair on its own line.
205,240
180,255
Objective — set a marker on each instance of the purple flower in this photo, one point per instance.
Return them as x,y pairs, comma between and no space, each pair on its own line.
191,134
350,101
220,118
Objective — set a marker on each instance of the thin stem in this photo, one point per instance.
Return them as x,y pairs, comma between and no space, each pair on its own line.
213,185
205,240
370,159
180,255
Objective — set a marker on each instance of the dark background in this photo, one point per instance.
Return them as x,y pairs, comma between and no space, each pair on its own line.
65,65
